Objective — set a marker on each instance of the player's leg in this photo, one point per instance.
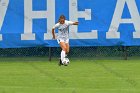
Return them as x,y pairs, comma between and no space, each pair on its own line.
63,52
67,51
67,46
63,47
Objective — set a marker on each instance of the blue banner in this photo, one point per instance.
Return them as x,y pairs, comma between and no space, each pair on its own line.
28,23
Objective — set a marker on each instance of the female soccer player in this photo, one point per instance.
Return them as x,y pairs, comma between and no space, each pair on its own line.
63,37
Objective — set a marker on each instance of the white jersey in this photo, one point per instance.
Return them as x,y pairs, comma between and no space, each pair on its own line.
63,29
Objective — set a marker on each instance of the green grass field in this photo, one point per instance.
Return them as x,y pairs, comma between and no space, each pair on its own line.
38,75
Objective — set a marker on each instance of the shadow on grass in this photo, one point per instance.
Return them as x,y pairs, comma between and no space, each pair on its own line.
24,59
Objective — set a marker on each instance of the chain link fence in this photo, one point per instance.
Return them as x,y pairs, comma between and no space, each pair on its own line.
117,52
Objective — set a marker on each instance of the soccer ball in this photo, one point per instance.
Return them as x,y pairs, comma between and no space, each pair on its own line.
65,61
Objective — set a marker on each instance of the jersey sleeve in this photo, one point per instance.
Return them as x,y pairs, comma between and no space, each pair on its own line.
56,26
70,22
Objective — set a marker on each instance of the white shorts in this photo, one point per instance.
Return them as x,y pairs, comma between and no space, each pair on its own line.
63,40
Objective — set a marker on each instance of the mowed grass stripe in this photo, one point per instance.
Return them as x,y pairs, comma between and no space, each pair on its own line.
37,75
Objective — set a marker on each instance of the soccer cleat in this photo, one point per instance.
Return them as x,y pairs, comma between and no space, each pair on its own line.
60,63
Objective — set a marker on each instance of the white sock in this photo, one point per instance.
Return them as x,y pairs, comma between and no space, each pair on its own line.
63,54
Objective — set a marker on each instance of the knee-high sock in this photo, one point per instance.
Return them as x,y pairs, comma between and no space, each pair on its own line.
63,54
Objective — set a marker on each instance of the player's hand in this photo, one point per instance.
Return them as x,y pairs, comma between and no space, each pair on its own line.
53,38
75,23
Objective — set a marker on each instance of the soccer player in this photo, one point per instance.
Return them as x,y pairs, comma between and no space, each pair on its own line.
63,37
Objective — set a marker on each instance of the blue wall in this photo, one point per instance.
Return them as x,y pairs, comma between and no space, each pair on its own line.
102,12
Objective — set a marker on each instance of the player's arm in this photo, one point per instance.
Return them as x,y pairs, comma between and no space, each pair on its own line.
53,33
75,23
53,30
72,23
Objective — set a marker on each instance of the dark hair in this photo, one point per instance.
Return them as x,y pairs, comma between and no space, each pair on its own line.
61,17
